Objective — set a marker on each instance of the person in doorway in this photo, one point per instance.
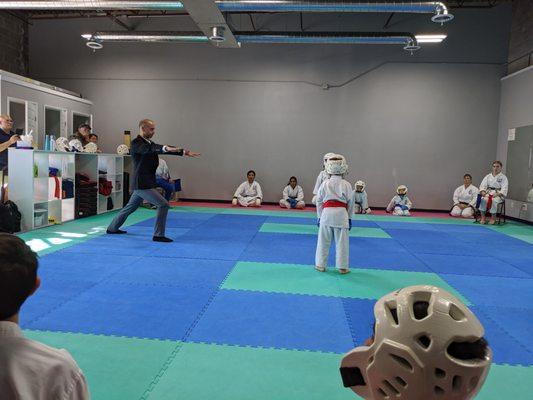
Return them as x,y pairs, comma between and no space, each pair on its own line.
249,193
144,153
293,195
464,199
83,134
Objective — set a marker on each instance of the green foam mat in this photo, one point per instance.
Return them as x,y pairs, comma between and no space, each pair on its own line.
507,382
313,230
304,279
56,237
206,371
116,368
519,231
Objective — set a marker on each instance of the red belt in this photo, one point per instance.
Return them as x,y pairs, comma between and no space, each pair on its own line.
334,203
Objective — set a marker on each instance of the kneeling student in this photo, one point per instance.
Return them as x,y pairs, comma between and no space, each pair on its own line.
249,193
360,199
464,199
293,195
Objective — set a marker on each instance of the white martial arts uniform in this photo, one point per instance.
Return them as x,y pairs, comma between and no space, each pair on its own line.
289,193
530,196
334,221
467,196
400,205
248,194
492,184
360,202
319,180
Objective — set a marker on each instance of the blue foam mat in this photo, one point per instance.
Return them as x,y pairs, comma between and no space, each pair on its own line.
156,312
235,222
470,265
182,272
312,221
360,314
180,220
300,249
493,291
506,349
275,320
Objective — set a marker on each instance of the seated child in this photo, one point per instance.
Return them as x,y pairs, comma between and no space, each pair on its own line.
400,204
426,345
249,193
360,199
293,195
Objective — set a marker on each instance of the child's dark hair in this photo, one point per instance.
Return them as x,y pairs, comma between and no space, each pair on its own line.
291,178
18,273
252,171
467,176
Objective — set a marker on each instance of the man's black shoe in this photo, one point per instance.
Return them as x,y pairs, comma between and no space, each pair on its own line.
117,232
162,239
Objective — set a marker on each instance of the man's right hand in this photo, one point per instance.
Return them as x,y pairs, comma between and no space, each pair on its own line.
13,139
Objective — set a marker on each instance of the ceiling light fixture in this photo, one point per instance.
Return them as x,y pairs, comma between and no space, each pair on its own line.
430,38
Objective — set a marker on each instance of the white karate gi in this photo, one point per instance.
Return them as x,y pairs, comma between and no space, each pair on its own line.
492,185
530,196
464,195
396,203
319,180
334,222
289,193
360,202
248,194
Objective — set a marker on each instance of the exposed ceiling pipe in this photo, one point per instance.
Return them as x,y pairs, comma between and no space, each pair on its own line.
408,40
426,7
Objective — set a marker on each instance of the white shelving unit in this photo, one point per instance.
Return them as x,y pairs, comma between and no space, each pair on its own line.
41,199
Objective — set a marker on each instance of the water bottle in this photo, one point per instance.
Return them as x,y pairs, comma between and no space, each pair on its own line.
52,143
46,142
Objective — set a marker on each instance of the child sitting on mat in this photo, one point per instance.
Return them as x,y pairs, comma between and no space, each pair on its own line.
334,206
360,199
426,345
249,193
400,204
293,195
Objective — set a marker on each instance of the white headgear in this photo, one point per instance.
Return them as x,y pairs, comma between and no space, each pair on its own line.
90,148
360,183
336,165
75,145
415,354
401,187
62,144
326,156
123,150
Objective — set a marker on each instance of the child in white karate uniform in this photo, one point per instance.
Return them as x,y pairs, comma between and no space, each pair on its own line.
334,205
293,195
464,199
322,176
249,193
360,199
400,204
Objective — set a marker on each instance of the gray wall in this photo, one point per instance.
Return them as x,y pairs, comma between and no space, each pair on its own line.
421,120
516,110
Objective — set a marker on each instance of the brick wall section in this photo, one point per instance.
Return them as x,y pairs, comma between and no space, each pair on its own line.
14,54
521,42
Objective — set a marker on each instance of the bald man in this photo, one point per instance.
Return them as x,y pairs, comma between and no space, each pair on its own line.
145,161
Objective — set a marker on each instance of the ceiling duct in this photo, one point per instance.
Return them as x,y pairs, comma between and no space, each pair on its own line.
407,40
439,9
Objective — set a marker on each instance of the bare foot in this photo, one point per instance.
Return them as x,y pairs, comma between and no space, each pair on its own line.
492,222
343,271
320,269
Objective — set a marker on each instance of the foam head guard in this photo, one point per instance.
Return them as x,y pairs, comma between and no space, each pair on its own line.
75,145
336,165
326,156
62,144
90,148
360,184
401,187
123,150
427,345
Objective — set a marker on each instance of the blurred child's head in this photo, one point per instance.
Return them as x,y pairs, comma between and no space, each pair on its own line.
293,181
360,186
250,175
401,190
